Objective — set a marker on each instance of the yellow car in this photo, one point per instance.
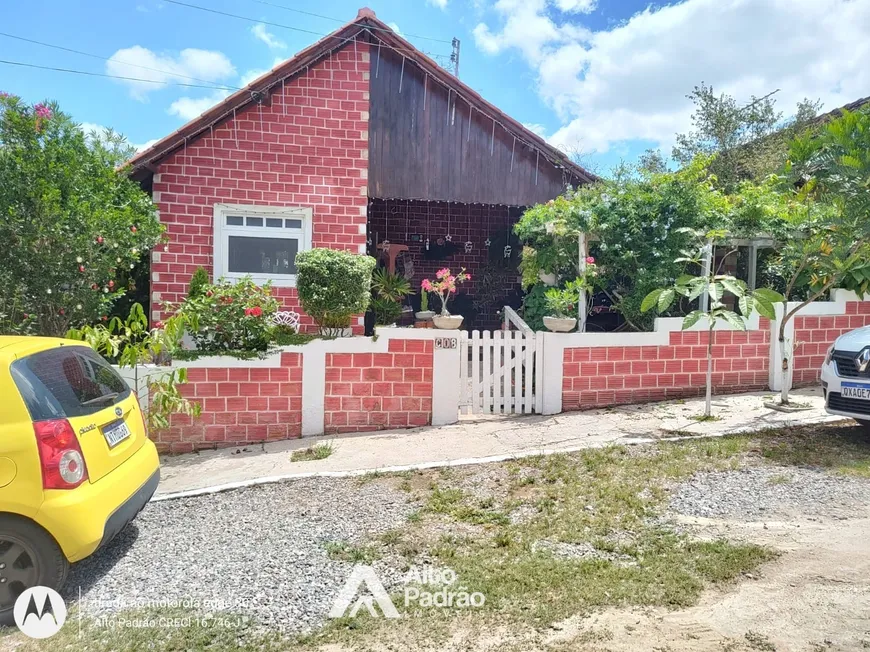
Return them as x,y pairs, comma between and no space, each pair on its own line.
76,464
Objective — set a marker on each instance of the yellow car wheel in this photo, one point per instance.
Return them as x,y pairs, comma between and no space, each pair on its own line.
28,557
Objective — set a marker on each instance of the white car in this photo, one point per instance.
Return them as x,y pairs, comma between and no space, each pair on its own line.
846,376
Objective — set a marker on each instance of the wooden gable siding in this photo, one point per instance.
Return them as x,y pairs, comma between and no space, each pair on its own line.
427,152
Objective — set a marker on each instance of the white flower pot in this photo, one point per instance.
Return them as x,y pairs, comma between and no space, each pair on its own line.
447,322
560,324
547,279
424,315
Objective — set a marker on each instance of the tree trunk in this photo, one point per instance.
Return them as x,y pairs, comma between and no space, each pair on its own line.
708,406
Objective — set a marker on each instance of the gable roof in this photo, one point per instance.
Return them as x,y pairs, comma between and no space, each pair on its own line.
368,29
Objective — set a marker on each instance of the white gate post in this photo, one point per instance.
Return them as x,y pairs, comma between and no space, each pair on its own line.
446,361
581,267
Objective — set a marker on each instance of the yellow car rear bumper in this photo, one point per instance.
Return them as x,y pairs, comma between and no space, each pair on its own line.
83,519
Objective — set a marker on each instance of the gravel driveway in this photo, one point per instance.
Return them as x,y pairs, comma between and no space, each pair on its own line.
765,492
261,548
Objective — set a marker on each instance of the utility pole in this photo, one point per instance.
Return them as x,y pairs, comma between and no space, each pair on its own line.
454,56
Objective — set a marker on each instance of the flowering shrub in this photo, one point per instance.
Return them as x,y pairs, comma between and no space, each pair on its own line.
230,316
634,223
444,285
72,226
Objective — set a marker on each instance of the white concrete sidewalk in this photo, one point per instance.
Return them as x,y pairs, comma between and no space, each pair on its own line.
479,440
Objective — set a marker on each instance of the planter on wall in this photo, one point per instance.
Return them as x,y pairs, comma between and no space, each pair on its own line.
547,279
447,322
560,324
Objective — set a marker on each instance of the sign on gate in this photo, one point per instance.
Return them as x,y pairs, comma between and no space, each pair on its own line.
499,373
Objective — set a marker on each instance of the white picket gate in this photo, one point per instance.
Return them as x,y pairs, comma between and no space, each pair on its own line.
499,374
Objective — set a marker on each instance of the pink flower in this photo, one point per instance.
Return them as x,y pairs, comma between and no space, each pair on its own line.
42,111
453,289
468,277
3,94
441,273
426,285
451,279
590,260
158,324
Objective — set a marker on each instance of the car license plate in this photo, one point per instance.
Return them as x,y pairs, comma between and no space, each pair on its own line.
855,390
115,433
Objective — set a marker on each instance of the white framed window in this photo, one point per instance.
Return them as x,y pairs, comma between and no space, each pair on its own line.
260,242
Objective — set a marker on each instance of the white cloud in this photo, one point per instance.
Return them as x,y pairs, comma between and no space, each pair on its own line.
188,108
145,145
207,65
395,28
577,6
630,81
441,4
536,128
260,32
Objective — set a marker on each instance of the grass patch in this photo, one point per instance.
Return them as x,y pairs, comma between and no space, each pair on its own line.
839,448
704,418
345,551
317,452
779,478
606,498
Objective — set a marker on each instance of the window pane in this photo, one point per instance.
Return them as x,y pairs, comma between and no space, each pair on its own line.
262,255
235,220
293,224
274,222
255,221
70,381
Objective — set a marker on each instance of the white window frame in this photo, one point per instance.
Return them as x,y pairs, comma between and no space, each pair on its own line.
222,232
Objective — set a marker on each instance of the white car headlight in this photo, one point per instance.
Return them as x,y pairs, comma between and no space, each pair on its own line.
829,355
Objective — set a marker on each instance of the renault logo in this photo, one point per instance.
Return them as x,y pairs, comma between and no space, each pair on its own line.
862,360
119,412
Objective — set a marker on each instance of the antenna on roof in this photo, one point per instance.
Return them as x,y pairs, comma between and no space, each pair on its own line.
454,57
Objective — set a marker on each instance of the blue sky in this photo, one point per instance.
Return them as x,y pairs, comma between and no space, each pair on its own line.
605,78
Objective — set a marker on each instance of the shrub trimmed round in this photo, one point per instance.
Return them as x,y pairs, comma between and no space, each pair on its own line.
333,286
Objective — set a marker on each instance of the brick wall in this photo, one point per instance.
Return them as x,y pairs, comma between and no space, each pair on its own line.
376,391
239,406
398,220
813,335
309,148
601,376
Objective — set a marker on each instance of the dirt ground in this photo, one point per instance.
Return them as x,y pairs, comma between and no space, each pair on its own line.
816,596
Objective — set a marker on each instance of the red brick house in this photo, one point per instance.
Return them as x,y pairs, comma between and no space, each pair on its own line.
358,140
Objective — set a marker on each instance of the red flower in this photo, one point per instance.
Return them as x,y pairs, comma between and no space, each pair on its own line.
111,284
209,293
256,311
248,312
60,312
158,324
104,318
26,316
81,268
99,239
133,229
94,286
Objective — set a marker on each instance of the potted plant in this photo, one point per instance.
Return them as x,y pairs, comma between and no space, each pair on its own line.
444,285
389,291
560,304
425,314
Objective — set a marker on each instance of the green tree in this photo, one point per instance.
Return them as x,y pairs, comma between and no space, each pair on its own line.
748,141
633,223
829,242
717,286
72,225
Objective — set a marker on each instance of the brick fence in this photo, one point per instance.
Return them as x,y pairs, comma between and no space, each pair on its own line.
411,377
